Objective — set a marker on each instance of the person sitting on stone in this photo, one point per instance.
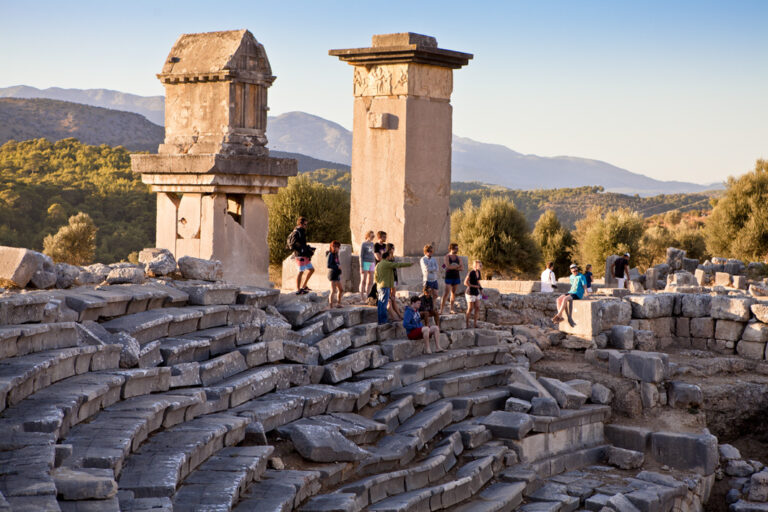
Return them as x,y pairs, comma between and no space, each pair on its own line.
548,279
384,276
577,292
334,274
302,253
427,308
415,329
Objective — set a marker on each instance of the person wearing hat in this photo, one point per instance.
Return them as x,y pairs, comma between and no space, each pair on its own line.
577,292
619,270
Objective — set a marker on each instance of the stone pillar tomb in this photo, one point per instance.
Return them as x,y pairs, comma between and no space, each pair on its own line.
401,151
213,167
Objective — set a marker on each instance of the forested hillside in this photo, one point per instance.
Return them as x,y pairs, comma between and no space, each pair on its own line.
24,119
43,183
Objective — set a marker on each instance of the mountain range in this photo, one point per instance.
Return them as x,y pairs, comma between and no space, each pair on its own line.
319,141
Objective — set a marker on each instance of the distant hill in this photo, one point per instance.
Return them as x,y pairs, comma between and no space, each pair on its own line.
151,107
24,119
307,163
324,140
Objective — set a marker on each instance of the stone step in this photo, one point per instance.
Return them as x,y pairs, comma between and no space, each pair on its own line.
24,375
20,340
498,497
280,491
205,293
258,297
455,383
345,367
468,481
220,481
59,407
25,471
358,495
169,456
144,327
356,428
221,339
23,308
119,430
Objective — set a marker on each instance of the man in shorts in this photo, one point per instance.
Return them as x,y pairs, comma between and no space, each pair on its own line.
619,270
415,329
577,292
302,253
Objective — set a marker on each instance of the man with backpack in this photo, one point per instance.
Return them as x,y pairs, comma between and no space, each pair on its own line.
302,253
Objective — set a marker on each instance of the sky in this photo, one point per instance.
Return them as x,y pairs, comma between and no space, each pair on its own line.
675,90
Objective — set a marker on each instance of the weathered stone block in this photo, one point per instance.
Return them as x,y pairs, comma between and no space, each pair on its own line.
625,459
683,395
728,330
675,258
703,327
17,266
644,366
591,317
601,394
722,279
622,337
755,331
696,305
731,308
324,444
758,487
566,396
682,327
687,452
751,349
645,340
509,425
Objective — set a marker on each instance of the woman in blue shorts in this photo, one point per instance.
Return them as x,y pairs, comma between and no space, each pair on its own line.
367,264
453,267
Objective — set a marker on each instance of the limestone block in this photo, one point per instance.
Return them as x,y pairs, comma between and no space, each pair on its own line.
760,311
652,276
601,394
583,386
686,452
133,275
625,459
201,269
622,337
591,317
17,266
651,306
508,425
157,262
320,443
663,327
682,327
635,287
758,487
675,258
722,279
544,406
728,330
620,503
690,264
610,281
755,331
66,275
740,282
649,395
751,349
645,366
681,278
566,396
517,405
683,395
731,308
758,290
703,278
703,327
84,483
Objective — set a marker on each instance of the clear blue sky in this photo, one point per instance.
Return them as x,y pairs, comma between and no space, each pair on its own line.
670,89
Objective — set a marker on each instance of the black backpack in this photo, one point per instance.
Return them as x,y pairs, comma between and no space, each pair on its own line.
290,243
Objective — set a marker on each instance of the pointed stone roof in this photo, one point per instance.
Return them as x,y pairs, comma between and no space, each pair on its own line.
209,56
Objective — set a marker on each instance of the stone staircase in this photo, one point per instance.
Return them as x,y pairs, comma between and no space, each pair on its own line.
184,395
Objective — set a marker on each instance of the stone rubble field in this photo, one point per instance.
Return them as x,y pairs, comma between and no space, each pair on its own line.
190,394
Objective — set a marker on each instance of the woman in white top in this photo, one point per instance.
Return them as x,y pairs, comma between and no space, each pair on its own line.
548,279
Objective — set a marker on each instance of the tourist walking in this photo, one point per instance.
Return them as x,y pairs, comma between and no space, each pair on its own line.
453,268
379,248
577,292
619,270
367,262
588,277
385,277
428,307
548,279
415,329
302,253
473,293
334,274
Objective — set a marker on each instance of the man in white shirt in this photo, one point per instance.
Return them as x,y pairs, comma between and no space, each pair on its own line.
548,279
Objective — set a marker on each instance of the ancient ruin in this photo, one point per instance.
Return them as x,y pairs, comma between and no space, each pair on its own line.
168,386
213,167
401,147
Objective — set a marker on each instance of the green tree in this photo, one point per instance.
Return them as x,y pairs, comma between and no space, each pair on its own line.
654,245
738,225
602,233
74,243
497,234
326,208
556,242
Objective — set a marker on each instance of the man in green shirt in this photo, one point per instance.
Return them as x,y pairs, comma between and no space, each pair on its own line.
385,280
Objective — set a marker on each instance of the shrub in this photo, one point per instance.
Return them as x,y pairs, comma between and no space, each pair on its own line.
496,233
74,243
601,234
326,208
738,225
556,242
